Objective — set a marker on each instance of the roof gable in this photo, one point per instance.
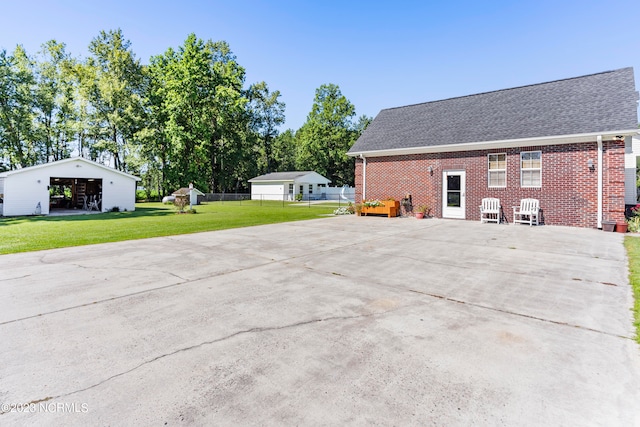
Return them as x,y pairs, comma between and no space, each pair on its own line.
594,103
288,176
185,191
69,160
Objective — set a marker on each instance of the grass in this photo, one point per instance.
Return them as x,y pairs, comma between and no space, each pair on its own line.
24,234
633,251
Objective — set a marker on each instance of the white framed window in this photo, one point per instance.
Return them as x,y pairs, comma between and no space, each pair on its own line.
497,170
290,188
310,188
531,169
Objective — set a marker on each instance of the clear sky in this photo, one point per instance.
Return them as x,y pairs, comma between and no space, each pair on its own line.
382,54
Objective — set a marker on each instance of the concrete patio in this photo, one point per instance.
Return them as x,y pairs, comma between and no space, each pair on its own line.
336,321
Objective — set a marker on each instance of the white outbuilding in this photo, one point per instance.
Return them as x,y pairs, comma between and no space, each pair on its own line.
287,185
70,184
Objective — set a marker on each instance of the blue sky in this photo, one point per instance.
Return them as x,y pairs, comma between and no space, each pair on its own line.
381,54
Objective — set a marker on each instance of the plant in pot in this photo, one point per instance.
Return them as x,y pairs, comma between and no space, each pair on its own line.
633,222
421,211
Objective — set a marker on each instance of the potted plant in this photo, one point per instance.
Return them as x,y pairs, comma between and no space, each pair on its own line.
633,222
421,211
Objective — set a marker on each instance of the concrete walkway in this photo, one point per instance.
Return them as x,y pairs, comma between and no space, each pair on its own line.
336,321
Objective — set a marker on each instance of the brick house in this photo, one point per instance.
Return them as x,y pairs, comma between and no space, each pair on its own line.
561,142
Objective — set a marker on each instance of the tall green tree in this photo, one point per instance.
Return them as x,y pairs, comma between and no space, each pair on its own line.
267,114
205,106
116,95
17,95
54,102
85,130
328,134
156,149
284,152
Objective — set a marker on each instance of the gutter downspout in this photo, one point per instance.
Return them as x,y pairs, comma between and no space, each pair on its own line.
364,177
599,139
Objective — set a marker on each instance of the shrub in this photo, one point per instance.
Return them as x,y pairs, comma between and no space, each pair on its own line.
633,224
115,209
180,202
344,210
372,203
423,208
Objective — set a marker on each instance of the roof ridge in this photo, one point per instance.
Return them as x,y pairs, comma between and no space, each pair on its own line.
507,89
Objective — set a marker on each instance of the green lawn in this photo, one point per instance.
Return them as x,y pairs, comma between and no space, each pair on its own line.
633,251
23,234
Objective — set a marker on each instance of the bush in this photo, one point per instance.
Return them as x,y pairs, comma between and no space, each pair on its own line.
115,209
180,202
147,196
633,223
372,203
344,210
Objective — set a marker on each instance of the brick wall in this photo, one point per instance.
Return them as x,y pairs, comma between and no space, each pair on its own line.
568,195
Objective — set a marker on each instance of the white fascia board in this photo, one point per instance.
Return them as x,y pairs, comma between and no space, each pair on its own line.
506,143
69,160
271,180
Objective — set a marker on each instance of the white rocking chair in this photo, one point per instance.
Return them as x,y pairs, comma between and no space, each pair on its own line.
94,204
490,210
527,212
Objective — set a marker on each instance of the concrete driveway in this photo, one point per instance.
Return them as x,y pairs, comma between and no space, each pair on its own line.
335,321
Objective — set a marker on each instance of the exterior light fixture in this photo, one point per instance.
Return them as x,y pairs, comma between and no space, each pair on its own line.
590,164
430,170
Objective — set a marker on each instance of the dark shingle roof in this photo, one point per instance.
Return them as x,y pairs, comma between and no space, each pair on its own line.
185,191
594,103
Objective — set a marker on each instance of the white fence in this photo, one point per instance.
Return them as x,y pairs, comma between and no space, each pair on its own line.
346,194
336,200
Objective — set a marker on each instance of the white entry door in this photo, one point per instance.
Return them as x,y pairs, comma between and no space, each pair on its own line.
453,194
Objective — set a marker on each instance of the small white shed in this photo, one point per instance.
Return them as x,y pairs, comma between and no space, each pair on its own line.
73,183
286,185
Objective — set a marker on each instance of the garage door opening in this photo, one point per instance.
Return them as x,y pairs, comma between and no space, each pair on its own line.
75,193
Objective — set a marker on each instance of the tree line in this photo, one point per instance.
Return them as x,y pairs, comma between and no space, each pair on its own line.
185,117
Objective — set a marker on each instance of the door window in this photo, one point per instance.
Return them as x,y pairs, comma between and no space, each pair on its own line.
453,191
